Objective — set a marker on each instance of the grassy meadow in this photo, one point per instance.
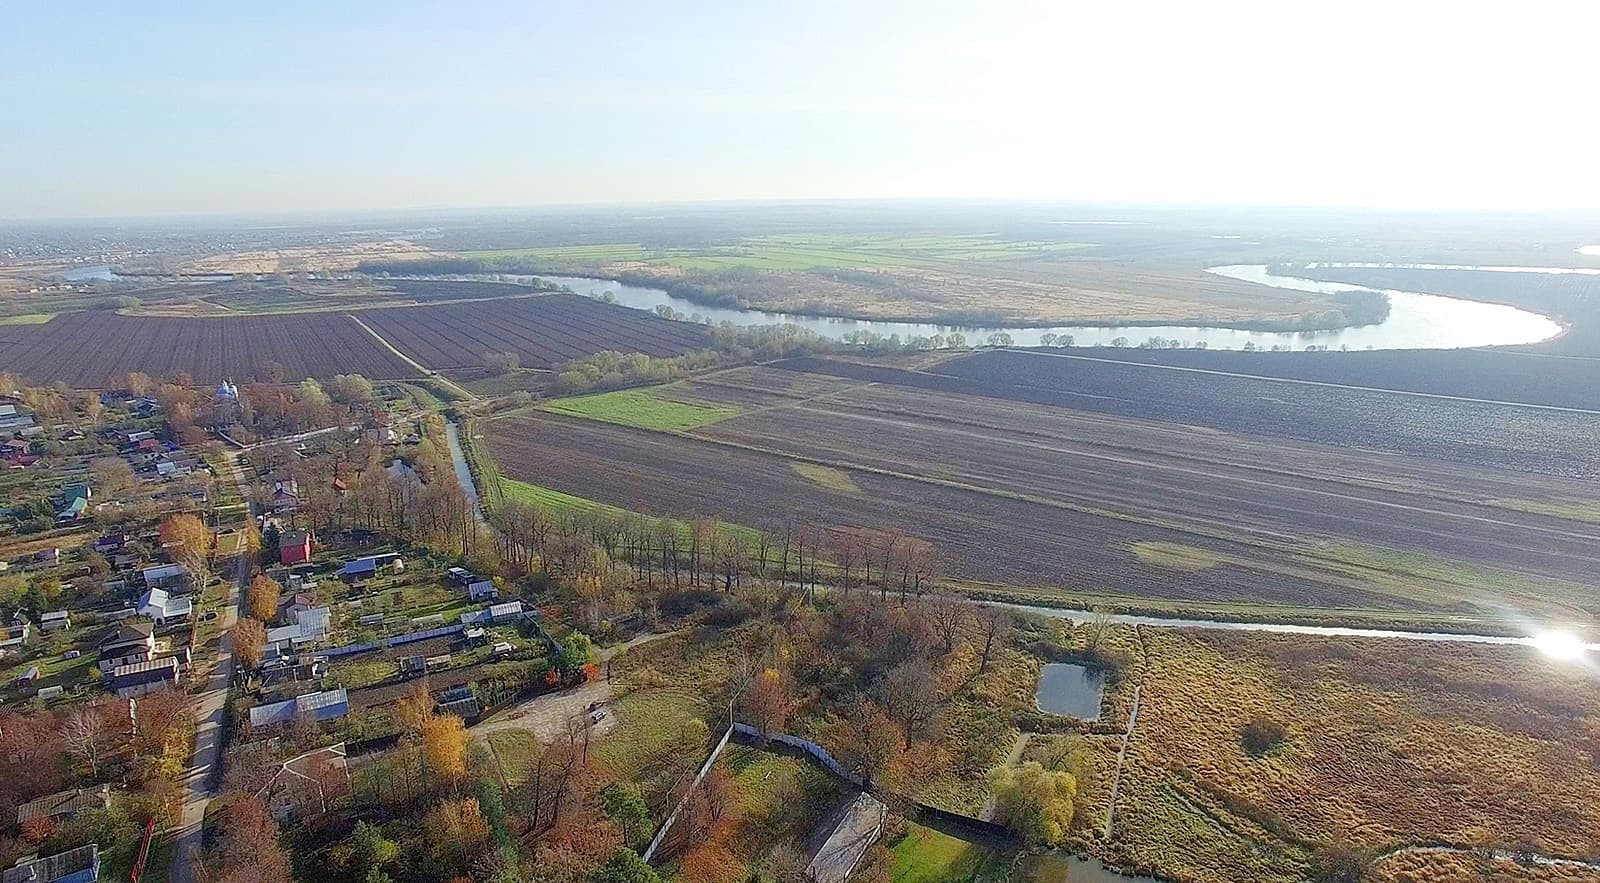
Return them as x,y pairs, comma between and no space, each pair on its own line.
644,407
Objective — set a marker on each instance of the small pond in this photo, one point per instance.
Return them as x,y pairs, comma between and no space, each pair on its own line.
1061,868
1071,690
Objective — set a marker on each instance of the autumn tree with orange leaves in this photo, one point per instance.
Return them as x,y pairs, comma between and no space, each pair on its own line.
768,701
263,597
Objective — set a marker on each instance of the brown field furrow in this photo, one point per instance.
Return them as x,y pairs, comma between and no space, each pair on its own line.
982,537
1272,506
97,349
544,331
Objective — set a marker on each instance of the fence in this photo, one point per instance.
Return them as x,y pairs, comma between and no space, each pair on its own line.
395,641
957,825
817,752
655,842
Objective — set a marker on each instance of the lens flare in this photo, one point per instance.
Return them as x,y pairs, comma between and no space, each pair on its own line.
1559,645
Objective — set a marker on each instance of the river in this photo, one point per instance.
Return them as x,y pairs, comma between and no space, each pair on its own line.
458,459
1415,321
1291,629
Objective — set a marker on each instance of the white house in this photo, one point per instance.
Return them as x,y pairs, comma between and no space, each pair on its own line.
165,576
161,606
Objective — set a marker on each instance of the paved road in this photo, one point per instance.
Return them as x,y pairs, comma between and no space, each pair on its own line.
209,708
859,825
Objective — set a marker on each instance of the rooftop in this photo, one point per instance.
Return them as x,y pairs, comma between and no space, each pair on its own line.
55,867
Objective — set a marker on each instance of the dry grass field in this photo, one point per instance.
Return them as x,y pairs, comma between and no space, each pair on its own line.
303,259
1387,745
936,278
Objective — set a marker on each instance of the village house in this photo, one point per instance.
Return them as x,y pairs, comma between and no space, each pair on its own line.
64,804
74,502
285,495
309,784
368,566
81,865
126,644
309,626
173,577
144,677
295,605
163,607
294,547
15,422
16,633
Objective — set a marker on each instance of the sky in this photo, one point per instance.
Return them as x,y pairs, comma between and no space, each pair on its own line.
153,108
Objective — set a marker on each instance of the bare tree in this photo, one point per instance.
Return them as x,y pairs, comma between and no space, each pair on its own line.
948,616
1099,621
994,624
912,699
86,733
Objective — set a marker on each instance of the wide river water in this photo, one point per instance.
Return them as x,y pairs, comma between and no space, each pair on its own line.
1415,321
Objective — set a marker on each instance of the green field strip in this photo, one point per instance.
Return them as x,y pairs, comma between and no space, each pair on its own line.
514,491
644,408
27,319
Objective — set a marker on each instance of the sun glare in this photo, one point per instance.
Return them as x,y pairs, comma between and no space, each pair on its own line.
1559,645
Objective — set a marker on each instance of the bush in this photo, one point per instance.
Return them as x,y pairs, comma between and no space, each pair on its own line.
1339,864
1261,734
498,364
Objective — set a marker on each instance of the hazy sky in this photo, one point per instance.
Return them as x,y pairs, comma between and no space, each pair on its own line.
157,108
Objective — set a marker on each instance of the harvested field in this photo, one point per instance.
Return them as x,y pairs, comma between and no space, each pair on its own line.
544,332
322,295
1090,504
1025,517
97,349
1484,434
1497,375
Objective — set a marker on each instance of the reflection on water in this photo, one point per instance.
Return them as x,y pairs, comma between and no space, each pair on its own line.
84,274
1284,628
1415,321
1057,868
1072,690
1543,271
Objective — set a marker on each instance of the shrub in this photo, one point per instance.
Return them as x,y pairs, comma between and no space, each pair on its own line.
1261,734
